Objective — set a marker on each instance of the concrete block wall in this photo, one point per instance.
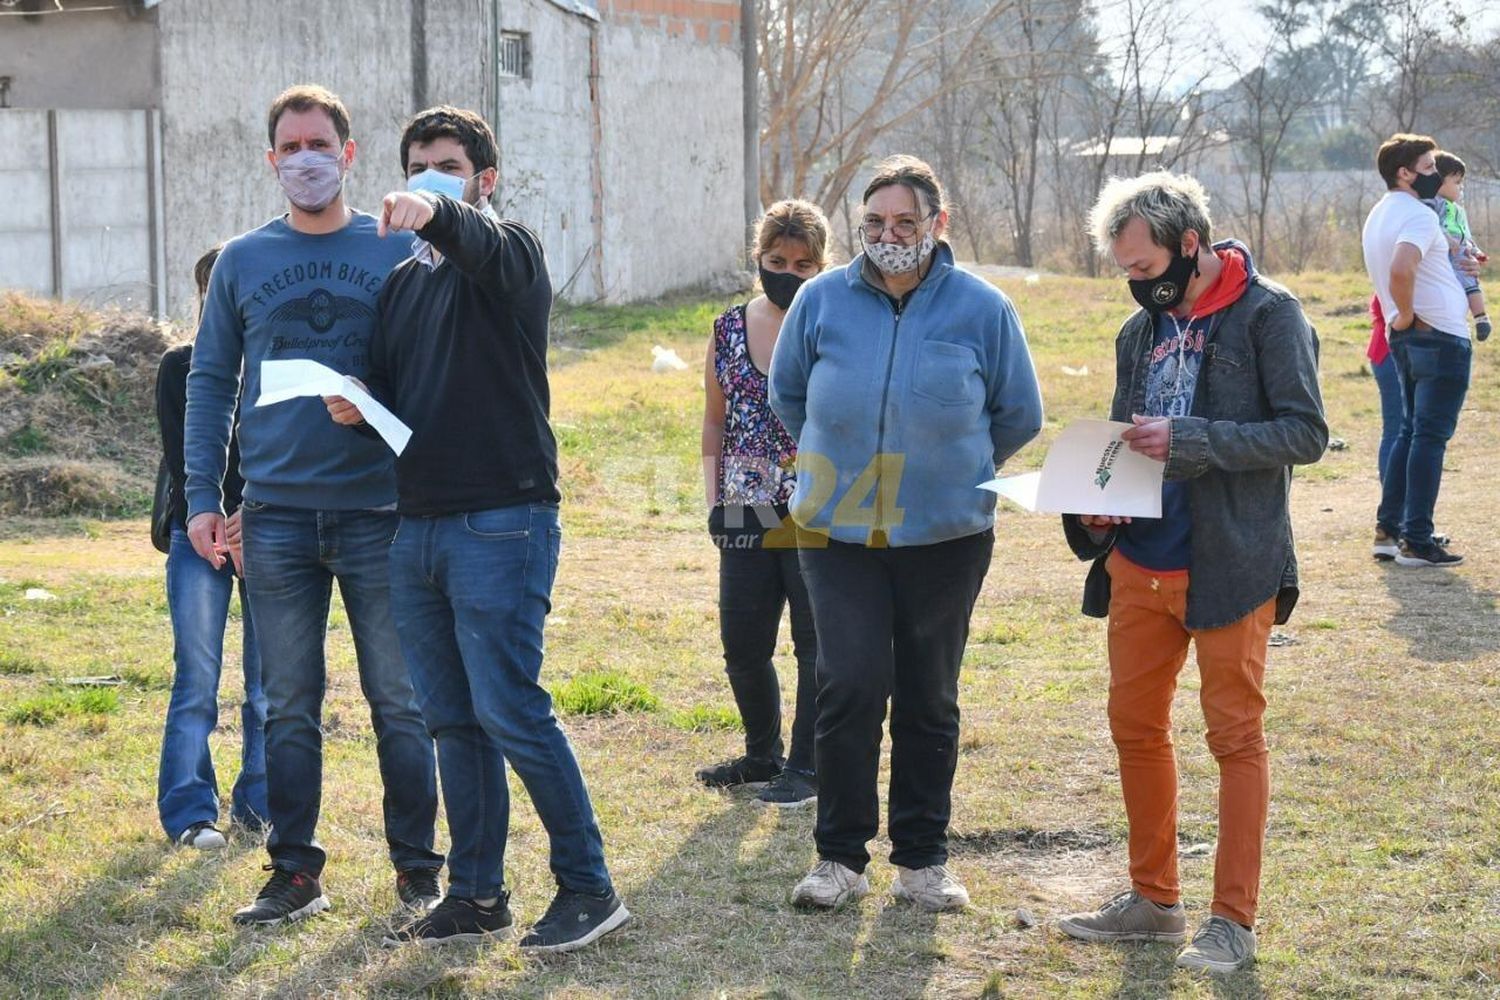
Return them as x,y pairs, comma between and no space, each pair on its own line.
223,62
673,166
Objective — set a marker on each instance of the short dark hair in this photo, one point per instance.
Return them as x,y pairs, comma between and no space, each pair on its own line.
1401,150
1448,165
306,97
444,121
914,175
204,269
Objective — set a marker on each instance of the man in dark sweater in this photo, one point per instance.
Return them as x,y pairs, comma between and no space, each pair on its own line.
460,355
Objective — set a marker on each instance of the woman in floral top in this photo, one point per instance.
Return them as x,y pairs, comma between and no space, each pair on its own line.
748,464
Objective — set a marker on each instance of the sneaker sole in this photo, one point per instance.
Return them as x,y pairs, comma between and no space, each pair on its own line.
847,898
612,922
474,937
311,909
1120,937
1205,965
899,892
1383,555
811,800
1416,562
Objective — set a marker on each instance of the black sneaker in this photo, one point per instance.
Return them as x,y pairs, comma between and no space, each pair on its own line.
790,789
740,771
456,919
1482,327
1431,554
574,920
287,896
417,888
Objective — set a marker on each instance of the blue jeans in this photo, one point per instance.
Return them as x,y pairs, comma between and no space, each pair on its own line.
1389,384
187,790
1434,372
470,593
291,559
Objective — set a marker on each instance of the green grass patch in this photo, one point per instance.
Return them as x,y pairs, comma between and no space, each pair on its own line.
703,719
603,692
46,709
15,665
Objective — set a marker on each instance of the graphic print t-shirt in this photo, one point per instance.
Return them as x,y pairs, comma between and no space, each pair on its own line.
279,294
1172,381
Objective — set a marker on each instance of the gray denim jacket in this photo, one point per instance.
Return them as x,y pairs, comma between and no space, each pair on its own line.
1257,412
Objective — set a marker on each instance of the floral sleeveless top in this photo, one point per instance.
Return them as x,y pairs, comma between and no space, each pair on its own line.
757,462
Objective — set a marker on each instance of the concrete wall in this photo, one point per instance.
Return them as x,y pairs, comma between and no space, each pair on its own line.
223,62
673,156
632,175
84,59
101,237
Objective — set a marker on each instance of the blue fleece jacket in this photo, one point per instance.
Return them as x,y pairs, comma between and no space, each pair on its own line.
900,411
278,294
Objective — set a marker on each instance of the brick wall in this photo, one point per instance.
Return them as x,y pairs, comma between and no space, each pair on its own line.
711,21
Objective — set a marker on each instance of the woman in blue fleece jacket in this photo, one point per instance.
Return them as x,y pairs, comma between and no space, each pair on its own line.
906,381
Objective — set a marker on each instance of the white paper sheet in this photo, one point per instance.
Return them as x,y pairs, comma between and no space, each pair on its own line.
290,379
1088,470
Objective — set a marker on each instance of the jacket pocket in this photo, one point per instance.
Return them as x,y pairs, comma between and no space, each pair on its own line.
1231,380
947,373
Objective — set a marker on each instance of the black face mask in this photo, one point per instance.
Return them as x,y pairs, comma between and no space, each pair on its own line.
1166,290
781,286
1426,185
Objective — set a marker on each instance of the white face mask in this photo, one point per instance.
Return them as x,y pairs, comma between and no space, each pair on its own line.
897,258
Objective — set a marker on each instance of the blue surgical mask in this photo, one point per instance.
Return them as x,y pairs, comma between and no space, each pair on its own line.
438,183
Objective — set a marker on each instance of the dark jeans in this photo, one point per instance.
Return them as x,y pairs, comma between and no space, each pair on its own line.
291,559
1434,372
892,624
754,586
471,593
1389,384
187,790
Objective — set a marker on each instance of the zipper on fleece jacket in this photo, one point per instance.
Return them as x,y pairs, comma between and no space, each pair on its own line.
897,308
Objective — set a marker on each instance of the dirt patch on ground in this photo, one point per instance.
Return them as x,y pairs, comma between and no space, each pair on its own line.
77,428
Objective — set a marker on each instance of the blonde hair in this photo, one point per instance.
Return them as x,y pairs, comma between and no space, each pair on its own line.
793,219
1170,203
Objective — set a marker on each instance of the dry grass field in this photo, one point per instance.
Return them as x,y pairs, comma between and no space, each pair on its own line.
1382,873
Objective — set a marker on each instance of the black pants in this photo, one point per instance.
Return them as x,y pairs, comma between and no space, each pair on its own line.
892,624
754,586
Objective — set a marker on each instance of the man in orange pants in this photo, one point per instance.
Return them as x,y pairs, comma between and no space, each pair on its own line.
1218,372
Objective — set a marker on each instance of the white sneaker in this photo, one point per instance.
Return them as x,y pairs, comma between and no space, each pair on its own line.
202,837
933,888
828,885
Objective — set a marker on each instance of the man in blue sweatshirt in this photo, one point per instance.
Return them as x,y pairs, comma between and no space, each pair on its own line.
319,500
461,356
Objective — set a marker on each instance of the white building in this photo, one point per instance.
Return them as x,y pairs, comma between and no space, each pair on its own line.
133,132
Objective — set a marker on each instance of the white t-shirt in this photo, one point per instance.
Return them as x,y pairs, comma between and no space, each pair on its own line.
1438,298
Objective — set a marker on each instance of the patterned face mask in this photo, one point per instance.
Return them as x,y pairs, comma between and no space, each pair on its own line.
897,258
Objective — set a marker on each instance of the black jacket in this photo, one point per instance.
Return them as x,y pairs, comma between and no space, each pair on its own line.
460,355
1258,411
171,405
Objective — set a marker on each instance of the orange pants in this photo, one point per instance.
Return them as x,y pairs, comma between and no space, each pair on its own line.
1148,645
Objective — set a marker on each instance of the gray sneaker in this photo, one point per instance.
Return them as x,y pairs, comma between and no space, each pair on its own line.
830,885
933,888
1221,945
1129,916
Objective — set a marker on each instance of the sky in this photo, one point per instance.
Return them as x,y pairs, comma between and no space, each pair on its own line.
1238,23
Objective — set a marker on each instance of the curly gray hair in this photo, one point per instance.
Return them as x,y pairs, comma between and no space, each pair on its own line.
1170,203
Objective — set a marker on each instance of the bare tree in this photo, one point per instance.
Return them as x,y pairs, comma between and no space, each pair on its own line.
1135,107
1273,90
840,74
1410,37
